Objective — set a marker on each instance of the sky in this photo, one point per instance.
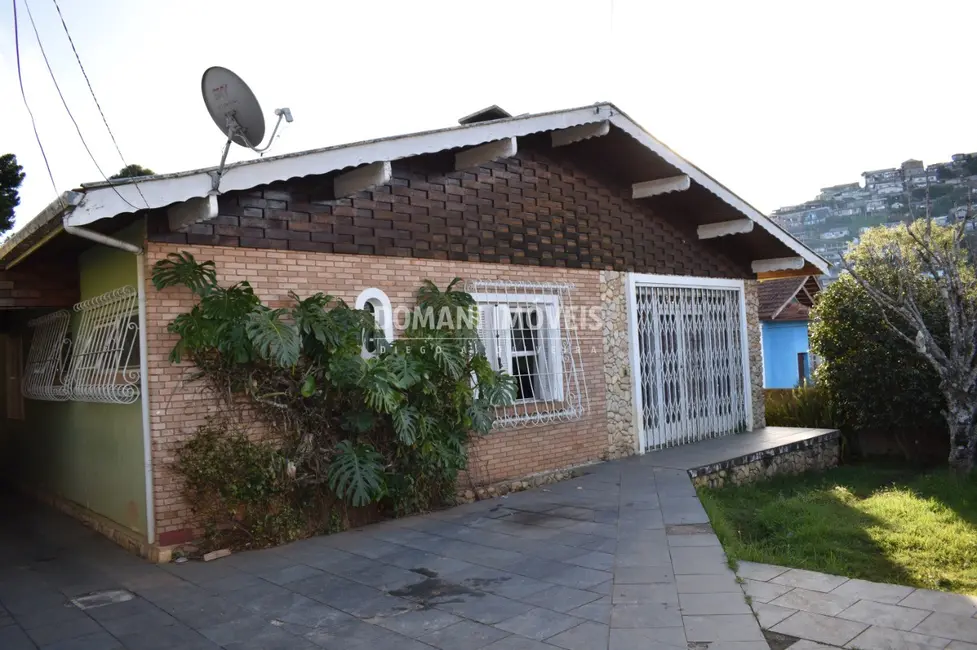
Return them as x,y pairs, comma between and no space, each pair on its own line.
774,99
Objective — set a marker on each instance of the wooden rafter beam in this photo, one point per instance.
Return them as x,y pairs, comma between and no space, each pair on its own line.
564,137
723,228
658,186
362,178
778,264
483,153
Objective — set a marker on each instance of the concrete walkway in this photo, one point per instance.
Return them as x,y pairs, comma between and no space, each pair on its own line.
621,558
821,609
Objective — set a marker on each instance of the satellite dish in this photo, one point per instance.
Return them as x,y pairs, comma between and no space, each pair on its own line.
236,112
233,106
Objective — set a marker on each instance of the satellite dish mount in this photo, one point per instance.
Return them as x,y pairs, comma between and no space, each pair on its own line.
236,112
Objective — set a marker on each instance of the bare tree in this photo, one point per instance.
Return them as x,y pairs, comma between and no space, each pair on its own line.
924,282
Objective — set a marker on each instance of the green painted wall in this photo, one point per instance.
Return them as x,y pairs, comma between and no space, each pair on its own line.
89,453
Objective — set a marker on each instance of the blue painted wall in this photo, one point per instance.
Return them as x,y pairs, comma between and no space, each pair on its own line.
782,341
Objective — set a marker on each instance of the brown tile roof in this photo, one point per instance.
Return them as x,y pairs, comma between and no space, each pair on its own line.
777,298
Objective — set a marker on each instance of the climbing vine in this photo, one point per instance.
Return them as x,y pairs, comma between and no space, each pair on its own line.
390,431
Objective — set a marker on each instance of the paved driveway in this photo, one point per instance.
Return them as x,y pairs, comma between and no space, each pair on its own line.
619,558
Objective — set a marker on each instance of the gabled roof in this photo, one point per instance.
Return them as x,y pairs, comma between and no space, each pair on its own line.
787,298
729,215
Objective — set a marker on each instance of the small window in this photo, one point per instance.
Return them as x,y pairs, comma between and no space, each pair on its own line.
376,303
521,335
529,331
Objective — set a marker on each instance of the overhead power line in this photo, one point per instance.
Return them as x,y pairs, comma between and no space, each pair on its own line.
94,98
23,94
66,108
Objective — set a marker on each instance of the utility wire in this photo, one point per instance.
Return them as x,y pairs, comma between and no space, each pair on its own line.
64,101
94,98
23,94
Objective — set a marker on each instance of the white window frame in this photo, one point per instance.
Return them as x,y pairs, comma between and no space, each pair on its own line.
495,316
382,313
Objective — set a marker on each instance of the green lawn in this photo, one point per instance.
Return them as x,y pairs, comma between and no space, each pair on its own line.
872,521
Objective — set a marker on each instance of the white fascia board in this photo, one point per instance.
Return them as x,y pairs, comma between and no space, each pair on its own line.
564,137
102,202
483,153
625,123
723,228
362,178
778,264
658,186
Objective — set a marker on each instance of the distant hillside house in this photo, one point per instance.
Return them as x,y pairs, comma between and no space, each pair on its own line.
785,307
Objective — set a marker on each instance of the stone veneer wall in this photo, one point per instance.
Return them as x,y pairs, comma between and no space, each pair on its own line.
813,454
618,380
756,353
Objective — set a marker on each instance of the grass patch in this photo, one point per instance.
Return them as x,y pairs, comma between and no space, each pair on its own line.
872,521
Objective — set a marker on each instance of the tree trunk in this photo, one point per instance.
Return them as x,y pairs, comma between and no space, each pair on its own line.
963,437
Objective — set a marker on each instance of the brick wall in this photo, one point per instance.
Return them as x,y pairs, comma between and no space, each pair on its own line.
532,209
178,406
49,287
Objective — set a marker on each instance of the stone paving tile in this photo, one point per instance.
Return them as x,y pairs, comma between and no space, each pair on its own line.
942,602
660,638
713,604
560,599
417,623
823,629
707,583
465,635
763,592
586,636
516,642
13,637
698,559
949,626
645,615
759,571
811,580
637,575
653,593
101,640
539,624
960,645
804,644
488,609
893,616
877,591
724,627
814,601
770,615
884,638
598,611
693,540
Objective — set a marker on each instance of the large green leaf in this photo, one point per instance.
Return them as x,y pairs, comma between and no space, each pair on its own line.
275,340
405,424
182,269
356,473
404,371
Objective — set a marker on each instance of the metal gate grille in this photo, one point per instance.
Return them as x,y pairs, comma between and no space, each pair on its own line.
690,353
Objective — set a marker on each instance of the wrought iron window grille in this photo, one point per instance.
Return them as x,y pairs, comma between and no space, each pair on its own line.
105,360
49,349
528,331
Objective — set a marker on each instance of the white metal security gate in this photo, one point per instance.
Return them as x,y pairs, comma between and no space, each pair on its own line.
689,352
